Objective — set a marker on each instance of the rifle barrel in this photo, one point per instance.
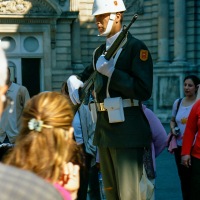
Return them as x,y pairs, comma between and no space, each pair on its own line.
132,21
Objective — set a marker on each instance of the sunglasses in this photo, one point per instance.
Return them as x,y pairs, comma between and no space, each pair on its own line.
8,104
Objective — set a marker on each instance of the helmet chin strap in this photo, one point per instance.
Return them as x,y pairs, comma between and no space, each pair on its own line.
109,26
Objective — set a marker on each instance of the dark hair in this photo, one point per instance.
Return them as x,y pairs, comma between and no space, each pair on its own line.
64,88
194,78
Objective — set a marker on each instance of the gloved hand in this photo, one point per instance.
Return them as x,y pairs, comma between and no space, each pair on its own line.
73,84
104,66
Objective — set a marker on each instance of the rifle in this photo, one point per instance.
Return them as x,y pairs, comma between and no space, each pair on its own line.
108,54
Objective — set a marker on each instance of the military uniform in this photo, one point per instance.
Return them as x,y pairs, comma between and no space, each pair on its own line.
131,79
124,141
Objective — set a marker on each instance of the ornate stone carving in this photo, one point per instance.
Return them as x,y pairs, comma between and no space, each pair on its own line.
134,6
62,2
25,7
24,21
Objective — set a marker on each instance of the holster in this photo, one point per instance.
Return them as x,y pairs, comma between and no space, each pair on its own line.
115,109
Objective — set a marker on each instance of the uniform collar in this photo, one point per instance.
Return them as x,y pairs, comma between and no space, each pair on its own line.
110,40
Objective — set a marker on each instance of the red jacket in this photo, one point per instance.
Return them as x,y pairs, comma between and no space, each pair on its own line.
191,138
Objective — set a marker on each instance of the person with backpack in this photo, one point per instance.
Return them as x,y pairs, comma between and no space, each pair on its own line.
180,112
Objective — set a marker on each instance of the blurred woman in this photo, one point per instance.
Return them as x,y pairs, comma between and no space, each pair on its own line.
45,145
178,123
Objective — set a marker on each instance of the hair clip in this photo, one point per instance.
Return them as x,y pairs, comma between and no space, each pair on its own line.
35,124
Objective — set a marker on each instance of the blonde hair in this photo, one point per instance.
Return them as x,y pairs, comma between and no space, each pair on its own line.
44,152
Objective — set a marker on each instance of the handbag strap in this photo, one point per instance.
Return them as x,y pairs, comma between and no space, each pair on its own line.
177,108
178,105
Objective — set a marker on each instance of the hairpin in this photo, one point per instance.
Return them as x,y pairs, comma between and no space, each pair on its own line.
36,124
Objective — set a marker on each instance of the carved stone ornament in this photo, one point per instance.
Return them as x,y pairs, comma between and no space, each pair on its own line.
31,7
62,2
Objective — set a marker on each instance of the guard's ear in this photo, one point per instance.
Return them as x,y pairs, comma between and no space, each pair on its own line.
118,17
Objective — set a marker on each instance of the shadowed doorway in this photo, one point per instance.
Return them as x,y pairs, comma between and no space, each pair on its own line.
31,75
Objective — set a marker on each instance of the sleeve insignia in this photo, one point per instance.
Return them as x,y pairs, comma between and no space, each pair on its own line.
143,55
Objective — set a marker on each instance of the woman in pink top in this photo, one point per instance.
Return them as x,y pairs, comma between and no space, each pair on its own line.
191,150
45,143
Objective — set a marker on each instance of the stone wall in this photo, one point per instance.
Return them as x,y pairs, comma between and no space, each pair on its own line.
62,53
169,28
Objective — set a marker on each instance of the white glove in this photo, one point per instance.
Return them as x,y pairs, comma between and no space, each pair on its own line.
104,66
73,84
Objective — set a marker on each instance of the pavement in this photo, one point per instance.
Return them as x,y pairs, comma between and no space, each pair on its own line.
167,180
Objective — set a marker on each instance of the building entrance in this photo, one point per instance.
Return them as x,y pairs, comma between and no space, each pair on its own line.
31,73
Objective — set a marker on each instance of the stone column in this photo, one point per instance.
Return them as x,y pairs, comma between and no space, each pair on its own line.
179,32
74,5
76,45
163,32
75,39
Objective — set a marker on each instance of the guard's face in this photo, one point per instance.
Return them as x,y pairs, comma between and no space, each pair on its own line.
102,22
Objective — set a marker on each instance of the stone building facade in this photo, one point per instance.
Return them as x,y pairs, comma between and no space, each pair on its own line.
48,40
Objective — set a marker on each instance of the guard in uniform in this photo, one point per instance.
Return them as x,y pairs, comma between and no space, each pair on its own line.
122,131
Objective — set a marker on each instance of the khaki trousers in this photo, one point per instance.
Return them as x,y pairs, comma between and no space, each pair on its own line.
122,171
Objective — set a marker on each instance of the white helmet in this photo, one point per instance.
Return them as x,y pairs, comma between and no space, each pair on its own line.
107,6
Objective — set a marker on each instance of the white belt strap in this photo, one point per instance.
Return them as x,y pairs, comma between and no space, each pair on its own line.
115,60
